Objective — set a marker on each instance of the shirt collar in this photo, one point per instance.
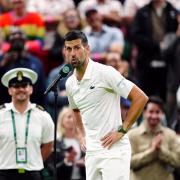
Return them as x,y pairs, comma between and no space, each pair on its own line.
144,128
103,30
88,71
10,106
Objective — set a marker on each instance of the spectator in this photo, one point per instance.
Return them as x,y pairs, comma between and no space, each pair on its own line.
130,9
17,56
71,20
31,23
171,55
114,59
102,37
50,10
70,159
159,20
111,10
155,148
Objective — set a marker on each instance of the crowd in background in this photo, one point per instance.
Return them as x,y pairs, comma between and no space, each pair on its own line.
139,38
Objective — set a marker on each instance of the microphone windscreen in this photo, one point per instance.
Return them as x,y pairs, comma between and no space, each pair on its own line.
65,70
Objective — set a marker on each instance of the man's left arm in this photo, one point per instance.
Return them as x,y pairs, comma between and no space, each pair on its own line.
170,154
46,150
138,100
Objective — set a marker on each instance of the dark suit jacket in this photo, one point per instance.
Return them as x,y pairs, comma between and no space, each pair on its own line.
141,33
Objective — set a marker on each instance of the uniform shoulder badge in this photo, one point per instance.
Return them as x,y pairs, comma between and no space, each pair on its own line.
40,107
2,106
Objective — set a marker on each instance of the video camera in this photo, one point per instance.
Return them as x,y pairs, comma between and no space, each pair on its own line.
17,40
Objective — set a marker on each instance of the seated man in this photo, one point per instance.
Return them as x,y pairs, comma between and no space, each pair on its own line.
102,37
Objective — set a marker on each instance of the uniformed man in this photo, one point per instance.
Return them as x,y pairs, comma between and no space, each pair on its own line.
27,131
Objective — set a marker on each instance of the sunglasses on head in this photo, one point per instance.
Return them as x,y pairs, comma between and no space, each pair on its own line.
18,85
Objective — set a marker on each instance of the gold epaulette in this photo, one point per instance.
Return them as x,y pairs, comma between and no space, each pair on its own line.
40,107
2,106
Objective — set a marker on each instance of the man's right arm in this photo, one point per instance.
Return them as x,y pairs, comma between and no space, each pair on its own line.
79,128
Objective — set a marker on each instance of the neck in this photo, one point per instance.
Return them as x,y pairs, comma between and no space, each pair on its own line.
97,28
150,127
154,128
81,70
21,106
70,134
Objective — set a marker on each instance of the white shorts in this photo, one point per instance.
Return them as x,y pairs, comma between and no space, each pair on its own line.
108,166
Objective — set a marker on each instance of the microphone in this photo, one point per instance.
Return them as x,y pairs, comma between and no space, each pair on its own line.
64,71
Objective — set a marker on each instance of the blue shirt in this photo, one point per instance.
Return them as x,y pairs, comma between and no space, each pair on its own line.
101,41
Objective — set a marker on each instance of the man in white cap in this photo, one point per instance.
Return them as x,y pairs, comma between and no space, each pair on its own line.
27,131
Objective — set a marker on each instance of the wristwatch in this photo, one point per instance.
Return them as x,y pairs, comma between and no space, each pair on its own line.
122,130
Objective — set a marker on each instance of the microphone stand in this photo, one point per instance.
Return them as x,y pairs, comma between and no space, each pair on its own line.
55,90
53,87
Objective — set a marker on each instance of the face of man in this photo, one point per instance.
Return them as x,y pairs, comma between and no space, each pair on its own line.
76,53
20,92
95,20
153,114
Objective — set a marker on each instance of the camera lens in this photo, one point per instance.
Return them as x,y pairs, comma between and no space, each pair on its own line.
17,45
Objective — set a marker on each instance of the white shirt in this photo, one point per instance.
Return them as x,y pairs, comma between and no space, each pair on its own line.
97,96
41,131
50,7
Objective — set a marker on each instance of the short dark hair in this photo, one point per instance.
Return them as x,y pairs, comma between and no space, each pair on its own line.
76,34
91,11
155,100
